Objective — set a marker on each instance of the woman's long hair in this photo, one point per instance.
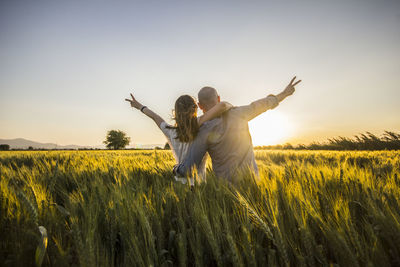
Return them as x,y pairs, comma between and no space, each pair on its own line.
185,116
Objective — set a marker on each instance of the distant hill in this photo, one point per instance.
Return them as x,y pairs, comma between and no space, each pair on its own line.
20,143
146,146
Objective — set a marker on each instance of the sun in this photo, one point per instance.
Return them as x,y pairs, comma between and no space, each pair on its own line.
270,128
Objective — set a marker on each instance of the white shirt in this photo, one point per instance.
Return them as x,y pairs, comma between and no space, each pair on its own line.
180,150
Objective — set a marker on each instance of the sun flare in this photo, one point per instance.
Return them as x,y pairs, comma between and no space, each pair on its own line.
270,128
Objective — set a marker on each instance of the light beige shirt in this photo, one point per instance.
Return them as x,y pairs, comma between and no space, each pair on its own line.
227,139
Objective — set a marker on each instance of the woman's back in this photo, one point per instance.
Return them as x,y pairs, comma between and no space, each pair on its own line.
180,149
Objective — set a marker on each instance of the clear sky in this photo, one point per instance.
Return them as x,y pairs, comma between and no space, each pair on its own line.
67,66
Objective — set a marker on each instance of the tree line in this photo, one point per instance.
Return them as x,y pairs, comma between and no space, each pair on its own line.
367,141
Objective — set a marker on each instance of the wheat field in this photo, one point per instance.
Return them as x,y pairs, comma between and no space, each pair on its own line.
123,208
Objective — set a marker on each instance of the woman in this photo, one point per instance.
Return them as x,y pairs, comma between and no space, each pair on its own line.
186,127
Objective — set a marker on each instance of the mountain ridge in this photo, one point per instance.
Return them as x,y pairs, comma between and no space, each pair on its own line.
22,143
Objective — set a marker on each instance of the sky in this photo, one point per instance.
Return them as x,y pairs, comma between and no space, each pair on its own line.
67,66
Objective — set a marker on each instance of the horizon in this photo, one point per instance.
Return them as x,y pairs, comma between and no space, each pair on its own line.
67,67
354,138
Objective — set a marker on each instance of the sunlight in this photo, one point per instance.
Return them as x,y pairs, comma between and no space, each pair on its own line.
270,128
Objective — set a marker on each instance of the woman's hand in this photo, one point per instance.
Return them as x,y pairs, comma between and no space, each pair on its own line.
146,111
134,102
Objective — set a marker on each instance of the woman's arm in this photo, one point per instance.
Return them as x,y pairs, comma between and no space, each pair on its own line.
148,112
215,111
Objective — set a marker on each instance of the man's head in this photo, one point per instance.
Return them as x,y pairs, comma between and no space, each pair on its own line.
208,97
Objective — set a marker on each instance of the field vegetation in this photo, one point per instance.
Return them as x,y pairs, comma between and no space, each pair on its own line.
366,141
123,208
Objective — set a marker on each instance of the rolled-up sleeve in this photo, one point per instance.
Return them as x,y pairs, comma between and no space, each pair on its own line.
257,107
167,130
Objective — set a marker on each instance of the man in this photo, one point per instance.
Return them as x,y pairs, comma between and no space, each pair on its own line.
227,138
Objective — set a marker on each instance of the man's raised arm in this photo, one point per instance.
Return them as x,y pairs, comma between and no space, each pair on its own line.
257,107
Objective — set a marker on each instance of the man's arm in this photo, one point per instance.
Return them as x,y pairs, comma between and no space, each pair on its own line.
257,107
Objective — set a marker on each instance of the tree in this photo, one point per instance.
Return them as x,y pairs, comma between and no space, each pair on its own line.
4,147
116,139
167,147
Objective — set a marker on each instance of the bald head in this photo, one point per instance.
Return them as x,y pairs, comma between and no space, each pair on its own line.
208,97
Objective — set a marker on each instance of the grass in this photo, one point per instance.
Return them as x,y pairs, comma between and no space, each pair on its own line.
123,208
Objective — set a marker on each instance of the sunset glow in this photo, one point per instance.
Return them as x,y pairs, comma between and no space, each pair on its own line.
271,128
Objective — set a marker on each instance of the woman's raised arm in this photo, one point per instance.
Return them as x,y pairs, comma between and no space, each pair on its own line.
215,111
148,112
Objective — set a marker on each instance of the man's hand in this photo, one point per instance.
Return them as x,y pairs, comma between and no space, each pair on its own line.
134,102
289,90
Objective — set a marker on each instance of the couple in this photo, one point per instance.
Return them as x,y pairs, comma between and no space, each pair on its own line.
222,131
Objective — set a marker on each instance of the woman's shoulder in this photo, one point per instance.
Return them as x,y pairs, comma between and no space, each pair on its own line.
167,129
165,125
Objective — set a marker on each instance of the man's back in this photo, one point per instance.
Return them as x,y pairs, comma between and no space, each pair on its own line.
230,145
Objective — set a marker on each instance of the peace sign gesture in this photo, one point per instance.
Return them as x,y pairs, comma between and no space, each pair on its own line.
289,90
134,102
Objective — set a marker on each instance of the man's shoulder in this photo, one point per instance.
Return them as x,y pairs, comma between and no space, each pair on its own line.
234,112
